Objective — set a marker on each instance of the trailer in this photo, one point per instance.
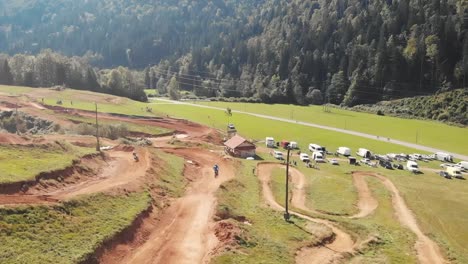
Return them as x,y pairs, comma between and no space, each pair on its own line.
365,153
344,151
442,156
270,142
293,145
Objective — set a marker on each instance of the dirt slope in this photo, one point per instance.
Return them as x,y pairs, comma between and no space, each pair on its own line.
184,233
329,253
366,203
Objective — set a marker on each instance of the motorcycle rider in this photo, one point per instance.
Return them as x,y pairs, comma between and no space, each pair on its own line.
216,169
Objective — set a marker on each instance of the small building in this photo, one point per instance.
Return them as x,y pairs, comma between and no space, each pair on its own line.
240,147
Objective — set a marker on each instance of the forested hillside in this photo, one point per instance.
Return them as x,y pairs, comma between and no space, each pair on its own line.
298,51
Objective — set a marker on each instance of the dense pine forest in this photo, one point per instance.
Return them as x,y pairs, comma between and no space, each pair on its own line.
345,52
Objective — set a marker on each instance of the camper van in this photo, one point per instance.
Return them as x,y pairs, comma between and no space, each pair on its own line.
315,147
442,156
270,142
365,153
412,166
344,151
317,156
454,172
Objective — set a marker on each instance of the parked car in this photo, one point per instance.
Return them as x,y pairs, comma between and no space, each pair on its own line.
277,154
334,162
445,174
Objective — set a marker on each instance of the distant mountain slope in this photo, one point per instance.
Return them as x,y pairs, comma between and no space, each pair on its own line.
449,106
298,51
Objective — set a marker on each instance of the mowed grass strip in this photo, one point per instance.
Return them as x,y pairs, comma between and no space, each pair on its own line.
423,132
268,238
24,162
66,233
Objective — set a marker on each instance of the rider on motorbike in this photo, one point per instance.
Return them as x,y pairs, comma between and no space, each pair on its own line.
216,169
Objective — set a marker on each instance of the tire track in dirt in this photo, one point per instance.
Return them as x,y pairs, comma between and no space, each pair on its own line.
121,171
185,230
428,252
332,252
366,202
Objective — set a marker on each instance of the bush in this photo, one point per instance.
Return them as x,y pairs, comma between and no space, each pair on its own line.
380,113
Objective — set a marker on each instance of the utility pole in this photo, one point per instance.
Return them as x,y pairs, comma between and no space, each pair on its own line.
98,147
286,214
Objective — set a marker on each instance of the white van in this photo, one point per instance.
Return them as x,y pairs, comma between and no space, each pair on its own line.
293,145
270,142
304,157
412,166
277,154
317,156
344,151
365,153
442,156
315,147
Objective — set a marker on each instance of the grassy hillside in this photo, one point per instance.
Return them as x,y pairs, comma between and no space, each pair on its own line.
22,163
446,107
68,232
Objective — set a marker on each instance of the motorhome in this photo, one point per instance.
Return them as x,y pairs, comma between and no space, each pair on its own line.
344,151
315,147
412,166
270,142
365,153
442,156
454,172
317,156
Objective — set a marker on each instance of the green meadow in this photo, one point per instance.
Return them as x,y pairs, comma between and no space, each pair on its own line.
22,163
427,133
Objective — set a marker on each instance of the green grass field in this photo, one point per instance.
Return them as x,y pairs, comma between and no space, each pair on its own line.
151,130
22,163
66,233
171,180
428,133
269,239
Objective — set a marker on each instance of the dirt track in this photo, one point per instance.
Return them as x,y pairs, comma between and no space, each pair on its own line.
121,171
366,203
428,251
184,233
343,243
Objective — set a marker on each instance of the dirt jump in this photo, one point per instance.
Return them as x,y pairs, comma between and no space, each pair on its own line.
184,233
342,245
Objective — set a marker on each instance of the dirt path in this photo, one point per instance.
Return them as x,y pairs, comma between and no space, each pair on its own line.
332,252
122,171
184,233
366,203
428,251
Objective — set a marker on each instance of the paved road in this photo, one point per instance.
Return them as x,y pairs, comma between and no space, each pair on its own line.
350,132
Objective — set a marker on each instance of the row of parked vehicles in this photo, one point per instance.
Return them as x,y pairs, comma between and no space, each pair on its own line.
388,161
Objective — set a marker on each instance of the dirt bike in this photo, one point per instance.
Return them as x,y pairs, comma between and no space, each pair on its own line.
216,171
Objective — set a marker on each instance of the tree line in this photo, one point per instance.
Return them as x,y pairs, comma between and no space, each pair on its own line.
48,69
298,51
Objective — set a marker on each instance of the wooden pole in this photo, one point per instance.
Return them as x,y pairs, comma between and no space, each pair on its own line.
98,147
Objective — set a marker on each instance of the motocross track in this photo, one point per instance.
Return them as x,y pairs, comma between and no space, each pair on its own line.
184,233
120,171
428,251
330,253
